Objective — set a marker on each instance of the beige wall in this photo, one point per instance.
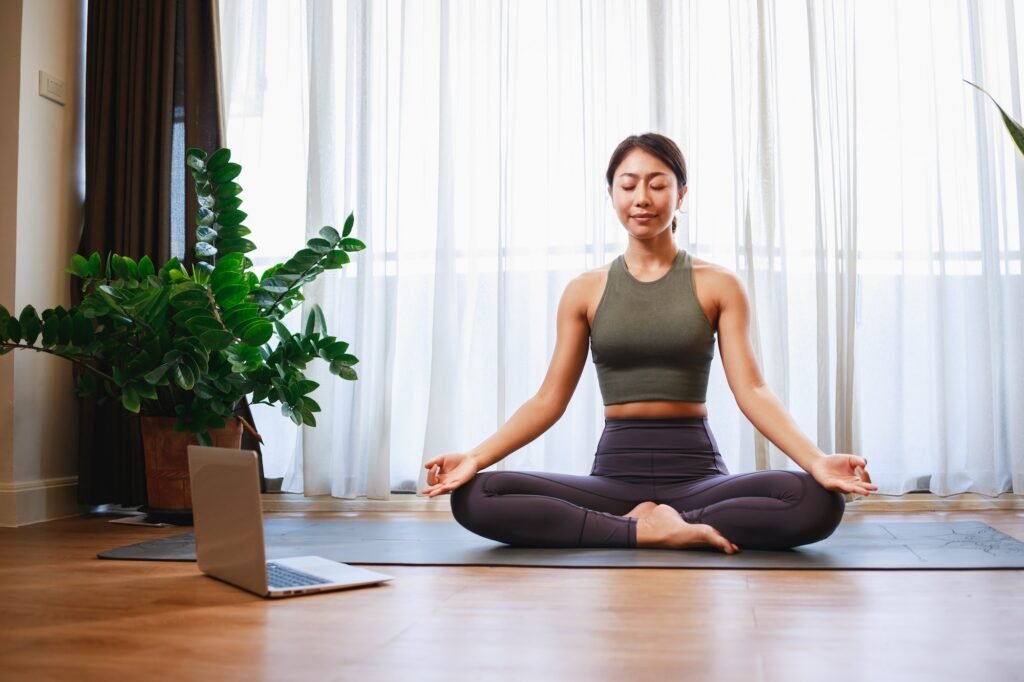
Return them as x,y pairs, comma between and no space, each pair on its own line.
42,464
10,78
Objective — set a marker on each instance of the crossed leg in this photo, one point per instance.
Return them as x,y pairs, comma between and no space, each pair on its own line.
760,510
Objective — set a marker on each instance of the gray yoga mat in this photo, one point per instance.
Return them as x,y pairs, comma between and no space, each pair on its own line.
916,546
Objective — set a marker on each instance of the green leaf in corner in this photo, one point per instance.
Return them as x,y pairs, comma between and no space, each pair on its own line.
349,222
130,399
195,159
218,159
146,267
1013,127
79,266
30,325
330,234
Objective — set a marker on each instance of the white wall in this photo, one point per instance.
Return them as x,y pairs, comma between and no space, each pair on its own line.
38,473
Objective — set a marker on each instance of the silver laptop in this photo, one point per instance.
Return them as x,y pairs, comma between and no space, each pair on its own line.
229,532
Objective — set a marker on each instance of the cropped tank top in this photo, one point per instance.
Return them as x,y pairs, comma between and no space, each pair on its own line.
652,340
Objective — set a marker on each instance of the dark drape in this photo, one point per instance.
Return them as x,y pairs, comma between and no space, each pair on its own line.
148,64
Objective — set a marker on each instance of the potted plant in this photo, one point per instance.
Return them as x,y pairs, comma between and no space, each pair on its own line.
183,346
1013,127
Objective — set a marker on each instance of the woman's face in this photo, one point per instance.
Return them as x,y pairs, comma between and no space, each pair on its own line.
645,194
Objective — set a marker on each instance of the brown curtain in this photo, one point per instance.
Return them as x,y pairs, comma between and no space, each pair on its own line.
144,61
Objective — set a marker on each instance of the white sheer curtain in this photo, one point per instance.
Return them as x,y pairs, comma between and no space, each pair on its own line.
869,199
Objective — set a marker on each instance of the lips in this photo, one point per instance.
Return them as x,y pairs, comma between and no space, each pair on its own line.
643,216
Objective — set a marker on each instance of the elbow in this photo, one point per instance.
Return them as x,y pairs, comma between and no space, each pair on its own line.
550,407
750,395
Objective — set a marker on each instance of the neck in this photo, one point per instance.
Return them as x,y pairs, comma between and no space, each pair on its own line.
651,254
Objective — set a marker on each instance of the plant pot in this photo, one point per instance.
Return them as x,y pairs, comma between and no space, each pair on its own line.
166,452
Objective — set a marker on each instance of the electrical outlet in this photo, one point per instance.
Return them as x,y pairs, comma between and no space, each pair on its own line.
51,87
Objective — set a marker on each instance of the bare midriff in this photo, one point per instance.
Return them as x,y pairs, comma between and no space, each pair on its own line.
655,409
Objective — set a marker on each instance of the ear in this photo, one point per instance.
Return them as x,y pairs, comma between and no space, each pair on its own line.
682,193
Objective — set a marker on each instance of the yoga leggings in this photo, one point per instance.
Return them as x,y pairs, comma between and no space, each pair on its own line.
668,461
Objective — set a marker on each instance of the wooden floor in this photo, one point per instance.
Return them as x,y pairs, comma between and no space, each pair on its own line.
65,615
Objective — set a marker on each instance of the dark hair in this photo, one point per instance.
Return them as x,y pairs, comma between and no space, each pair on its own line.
654,144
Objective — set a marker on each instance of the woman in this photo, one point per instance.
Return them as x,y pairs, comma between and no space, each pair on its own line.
658,479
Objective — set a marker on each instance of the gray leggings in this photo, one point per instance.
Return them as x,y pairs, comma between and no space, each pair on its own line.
668,461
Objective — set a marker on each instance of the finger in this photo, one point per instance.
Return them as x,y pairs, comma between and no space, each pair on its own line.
431,463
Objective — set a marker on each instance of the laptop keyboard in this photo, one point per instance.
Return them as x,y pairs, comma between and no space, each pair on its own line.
280,576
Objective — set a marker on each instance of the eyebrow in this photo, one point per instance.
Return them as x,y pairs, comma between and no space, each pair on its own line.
634,175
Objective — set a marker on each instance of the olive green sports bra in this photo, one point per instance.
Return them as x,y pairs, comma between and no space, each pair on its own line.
651,340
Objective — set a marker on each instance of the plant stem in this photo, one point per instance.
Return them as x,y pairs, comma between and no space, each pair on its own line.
77,359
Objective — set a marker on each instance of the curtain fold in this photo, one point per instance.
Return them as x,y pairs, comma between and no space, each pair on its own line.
870,202
136,52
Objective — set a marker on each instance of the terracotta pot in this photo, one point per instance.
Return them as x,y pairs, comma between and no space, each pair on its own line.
166,453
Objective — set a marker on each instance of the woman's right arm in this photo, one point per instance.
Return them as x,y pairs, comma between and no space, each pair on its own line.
541,411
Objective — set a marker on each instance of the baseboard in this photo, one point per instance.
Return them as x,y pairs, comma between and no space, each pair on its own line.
26,502
932,502
294,502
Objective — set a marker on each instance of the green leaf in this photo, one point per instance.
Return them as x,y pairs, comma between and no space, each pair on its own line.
349,221
238,314
218,159
345,372
216,339
319,245
257,332
227,190
205,217
130,399
240,245
185,375
146,268
330,234
195,158
310,323
79,266
30,325
334,351
81,330
233,231
226,204
157,375
305,386
50,327
226,173
232,217
206,234
352,244
1013,127
336,259
205,250
95,265
244,358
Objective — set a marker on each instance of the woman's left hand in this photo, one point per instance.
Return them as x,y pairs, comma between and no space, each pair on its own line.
845,473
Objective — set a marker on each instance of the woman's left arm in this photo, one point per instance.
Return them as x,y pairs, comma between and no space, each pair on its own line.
846,473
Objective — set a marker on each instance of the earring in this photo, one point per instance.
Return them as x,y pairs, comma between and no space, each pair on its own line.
673,224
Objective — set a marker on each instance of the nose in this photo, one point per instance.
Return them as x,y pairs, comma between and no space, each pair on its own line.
642,198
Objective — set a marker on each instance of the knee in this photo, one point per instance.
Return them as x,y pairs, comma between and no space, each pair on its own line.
465,500
821,510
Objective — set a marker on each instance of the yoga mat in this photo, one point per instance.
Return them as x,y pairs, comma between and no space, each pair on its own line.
914,546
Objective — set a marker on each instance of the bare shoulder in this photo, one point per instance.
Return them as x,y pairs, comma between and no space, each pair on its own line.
711,271
717,283
587,283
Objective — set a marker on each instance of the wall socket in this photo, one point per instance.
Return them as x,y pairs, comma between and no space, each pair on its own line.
51,87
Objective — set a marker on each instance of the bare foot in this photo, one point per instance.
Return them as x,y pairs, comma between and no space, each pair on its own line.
664,527
642,509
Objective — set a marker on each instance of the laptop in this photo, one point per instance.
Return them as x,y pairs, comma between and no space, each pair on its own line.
228,522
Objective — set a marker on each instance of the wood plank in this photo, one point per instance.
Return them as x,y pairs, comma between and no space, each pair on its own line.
67,615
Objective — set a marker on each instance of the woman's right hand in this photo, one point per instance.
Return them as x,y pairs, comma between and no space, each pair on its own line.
445,473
